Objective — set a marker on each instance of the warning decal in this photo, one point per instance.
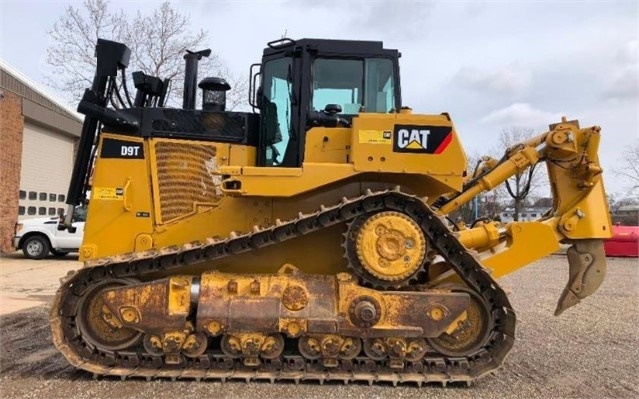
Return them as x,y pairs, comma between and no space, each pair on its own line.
107,193
375,137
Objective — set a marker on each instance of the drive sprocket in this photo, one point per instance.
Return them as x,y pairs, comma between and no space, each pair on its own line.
385,250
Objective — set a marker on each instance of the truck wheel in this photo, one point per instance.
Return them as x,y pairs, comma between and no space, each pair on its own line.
35,247
58,253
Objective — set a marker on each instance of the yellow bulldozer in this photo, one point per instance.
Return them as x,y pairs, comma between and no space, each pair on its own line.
307,239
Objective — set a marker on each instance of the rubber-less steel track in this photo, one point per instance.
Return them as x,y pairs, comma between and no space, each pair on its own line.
433,367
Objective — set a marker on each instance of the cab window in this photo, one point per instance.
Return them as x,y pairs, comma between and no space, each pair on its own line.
356,85
276,109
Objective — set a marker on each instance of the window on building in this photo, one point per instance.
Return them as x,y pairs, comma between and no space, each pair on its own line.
51,211
60,198
60,211
533,215
42,210
23,194
21,210
52,197
33,195
31,210
43,196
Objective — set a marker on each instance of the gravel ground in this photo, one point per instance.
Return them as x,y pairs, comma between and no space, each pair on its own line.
591,351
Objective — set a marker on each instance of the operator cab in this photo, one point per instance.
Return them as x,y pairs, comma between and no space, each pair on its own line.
311,82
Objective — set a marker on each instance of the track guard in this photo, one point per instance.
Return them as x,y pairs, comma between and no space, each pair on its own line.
587,269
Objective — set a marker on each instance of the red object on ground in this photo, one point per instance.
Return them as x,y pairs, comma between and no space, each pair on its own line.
624,242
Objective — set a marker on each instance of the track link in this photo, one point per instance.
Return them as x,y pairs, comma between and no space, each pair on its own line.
293,367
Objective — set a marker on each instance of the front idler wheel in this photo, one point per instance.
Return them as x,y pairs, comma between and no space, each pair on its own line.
471,334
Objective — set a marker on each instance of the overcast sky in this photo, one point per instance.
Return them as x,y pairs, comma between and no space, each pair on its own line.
491,65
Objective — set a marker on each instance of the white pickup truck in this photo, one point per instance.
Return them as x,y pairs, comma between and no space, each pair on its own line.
39,236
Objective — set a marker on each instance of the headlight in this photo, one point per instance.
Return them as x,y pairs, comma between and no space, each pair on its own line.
18,228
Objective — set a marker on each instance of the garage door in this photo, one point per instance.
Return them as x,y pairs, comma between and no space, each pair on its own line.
47,162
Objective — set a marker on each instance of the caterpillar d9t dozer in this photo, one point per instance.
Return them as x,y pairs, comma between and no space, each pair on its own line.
308,239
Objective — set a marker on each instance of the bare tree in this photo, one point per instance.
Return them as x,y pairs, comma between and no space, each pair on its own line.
157,40
630,168
486,205
521,185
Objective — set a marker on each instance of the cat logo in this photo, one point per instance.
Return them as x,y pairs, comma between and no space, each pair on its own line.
421,139
413,139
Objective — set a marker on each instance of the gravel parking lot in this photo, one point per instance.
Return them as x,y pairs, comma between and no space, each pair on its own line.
591,351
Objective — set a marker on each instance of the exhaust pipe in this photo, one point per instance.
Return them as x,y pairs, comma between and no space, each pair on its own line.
190,76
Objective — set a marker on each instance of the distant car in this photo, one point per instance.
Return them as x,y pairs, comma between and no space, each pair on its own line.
39,236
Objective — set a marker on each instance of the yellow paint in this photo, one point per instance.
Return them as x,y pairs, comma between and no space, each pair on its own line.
179,295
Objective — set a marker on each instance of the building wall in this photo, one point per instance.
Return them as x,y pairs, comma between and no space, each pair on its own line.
11,128
47,163
37,139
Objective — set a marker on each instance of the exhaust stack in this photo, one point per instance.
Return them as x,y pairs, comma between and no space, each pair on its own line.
190,76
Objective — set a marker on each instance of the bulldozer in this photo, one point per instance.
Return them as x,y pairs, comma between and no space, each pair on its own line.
310,237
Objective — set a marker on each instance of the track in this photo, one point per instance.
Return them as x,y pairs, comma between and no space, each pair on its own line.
291,366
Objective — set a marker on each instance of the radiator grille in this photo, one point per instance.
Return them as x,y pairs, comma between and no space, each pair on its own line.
185,178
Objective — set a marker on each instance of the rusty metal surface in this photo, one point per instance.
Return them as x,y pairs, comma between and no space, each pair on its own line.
148,306
257,305
433,367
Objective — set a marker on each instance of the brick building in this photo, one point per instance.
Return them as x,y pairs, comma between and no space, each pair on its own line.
38,135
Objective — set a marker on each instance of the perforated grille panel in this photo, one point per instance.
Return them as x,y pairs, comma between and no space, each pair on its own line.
185,178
